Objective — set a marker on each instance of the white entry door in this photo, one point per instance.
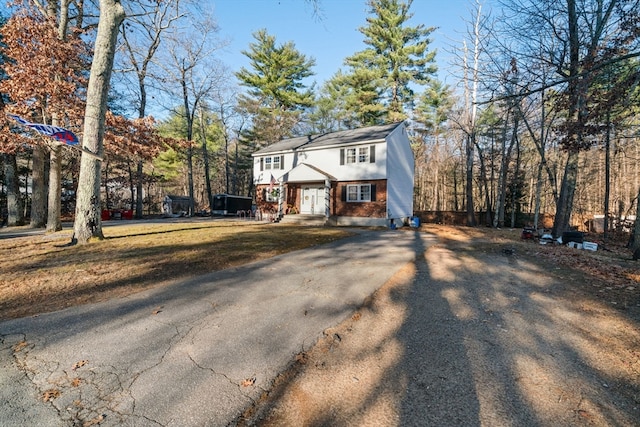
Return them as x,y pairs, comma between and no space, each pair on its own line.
312,200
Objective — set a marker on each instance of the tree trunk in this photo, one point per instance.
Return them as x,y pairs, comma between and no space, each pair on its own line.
15,208
139,194
189,119
88,222
226,162
107,196
538,198
235,168
132,191
192,205
607,178
515,202
38,188
205,157
485,186
498,217
635,246
471,218
577,103
55,188
564,207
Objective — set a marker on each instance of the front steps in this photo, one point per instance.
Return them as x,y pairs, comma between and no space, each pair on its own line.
304,219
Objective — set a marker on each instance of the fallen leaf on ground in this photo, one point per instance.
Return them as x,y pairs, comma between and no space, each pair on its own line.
76,382
302,358
79,364
248,382
50,394
19,346
94,421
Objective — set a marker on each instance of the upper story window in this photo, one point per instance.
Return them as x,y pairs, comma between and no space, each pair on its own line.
272,163
351,155
361,154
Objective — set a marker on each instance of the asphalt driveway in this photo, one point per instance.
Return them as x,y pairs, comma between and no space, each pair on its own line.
193,354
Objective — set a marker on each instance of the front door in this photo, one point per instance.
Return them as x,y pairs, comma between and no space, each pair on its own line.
312,200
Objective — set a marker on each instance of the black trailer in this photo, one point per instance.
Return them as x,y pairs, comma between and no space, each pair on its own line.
228,204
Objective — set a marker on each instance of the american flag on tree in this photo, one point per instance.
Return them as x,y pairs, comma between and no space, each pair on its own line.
55,132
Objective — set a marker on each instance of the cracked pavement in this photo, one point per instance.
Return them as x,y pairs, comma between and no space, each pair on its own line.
196,353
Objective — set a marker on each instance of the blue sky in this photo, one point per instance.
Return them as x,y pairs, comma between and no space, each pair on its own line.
334,36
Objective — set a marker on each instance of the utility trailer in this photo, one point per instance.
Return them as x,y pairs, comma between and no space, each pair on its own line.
228,204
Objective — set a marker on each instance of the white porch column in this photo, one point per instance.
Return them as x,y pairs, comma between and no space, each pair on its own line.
327,198
280,198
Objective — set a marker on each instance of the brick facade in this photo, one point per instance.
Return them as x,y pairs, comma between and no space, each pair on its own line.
338,204
374,209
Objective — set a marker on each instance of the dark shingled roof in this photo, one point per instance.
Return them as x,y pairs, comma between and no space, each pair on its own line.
371,133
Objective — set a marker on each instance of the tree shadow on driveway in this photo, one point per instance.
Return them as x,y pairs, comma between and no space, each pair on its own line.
467,334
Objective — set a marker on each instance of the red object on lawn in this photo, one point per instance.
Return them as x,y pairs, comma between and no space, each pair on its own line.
527,233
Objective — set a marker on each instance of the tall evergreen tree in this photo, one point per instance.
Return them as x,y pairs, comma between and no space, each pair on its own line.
276,94
397,56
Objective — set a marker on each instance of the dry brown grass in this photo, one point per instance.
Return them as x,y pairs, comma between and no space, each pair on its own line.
42,273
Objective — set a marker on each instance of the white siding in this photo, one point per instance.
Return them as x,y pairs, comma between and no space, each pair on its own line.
328,161
400,170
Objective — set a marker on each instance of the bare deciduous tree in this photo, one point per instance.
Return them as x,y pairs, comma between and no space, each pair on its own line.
142,35
88,220
191,74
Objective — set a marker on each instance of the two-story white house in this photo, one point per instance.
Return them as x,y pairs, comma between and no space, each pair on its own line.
354,177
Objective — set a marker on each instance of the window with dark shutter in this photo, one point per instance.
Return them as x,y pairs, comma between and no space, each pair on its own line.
358,193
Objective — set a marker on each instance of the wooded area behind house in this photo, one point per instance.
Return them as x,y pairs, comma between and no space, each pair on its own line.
541,118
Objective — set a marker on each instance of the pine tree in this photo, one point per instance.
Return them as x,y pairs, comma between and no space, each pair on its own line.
397,56
276,93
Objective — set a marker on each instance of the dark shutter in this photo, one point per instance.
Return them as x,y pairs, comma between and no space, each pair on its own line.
373,192
372,154
281,162
261,164
342,156
264,194
343,196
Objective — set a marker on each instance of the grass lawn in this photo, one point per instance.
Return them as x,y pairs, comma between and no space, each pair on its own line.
41,273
